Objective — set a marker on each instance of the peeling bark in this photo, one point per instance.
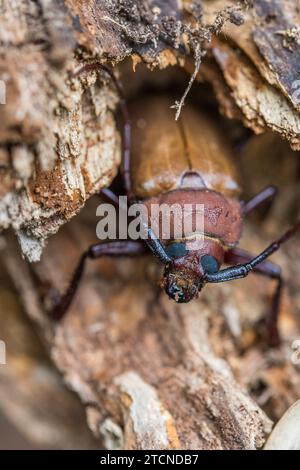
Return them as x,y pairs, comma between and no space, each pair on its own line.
150,374
258,61
59,143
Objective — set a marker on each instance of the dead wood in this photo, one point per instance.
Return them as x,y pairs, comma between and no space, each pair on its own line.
32,393
258,62
58,139
151,374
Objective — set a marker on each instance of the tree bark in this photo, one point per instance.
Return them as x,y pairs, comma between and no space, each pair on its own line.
32,393
150,374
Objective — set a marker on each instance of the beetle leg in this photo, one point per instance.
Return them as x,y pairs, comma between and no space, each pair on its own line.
110,196
118,248
242,270
272,271
268,193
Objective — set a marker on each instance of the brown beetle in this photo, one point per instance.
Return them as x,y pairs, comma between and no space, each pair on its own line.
184,162
187,162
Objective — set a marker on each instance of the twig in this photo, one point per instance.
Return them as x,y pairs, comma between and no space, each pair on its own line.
198,59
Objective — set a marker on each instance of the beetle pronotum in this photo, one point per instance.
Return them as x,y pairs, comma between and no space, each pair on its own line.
185,161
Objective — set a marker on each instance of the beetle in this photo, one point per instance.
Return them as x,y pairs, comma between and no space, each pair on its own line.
185,161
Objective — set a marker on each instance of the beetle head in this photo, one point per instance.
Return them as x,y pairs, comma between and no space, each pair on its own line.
181,285
184,277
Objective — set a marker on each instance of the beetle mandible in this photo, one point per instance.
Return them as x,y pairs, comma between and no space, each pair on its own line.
185,161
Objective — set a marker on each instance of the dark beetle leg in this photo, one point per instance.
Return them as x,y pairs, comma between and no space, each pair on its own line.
268,269
268,193
119,248
125,171
110,196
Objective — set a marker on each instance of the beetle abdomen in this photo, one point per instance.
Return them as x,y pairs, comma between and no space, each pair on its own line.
169,154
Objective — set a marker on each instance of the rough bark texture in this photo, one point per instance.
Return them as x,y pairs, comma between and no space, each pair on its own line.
258,63
58,143
32,393
150,373
58,139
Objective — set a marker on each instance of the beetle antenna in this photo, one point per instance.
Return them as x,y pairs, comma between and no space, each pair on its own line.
242,270
127,124
156,246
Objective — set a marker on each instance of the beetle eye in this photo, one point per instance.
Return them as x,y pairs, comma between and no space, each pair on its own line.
176,250
209,264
